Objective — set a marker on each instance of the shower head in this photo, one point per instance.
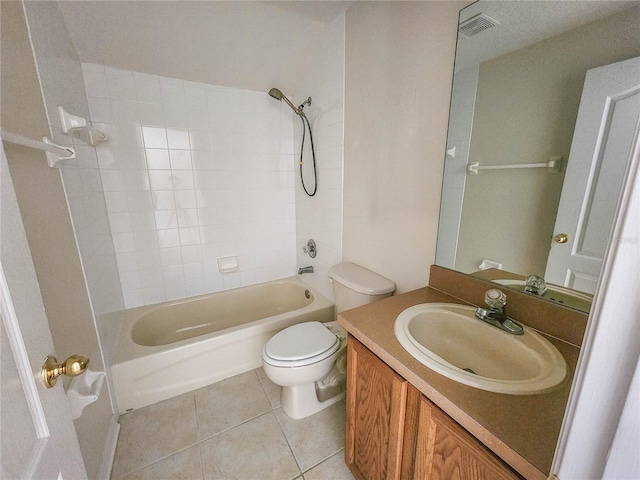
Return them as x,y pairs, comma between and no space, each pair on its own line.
278,95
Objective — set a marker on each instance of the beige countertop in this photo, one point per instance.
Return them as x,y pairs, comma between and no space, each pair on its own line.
521,429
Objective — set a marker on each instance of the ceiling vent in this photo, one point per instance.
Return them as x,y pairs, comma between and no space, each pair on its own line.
476,24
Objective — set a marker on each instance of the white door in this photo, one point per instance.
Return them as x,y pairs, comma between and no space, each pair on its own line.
37,437
600,152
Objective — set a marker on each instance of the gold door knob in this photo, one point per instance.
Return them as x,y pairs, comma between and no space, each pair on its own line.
562,238
71,367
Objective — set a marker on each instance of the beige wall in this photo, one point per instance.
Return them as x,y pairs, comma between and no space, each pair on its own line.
399,63
44,212
526,108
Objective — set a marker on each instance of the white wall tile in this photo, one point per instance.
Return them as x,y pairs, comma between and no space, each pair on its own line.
182,179
120,222
171,256
145,239
142,221
154,137
180,159
185,198
173,274
154,294
157,159
129,135
187,182
123,242
116,202
132,158
139,200
189,236
321,219
125,112
166,219
175,291
100,110
151,114
160,180
168,238
121,84
163,199
178,138
199,139
172,91
147,88
175,116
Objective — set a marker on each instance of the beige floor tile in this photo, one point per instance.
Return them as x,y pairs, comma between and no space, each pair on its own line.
317,437
229,403
272,390
153,432
333,468
254,450
184,465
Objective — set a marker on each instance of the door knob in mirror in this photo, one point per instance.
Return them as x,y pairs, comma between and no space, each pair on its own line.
561,238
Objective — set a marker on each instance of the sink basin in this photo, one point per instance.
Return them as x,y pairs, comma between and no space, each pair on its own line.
564,296
450,340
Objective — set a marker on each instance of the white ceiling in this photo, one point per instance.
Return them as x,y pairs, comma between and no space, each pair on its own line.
244,44
262,44
523,23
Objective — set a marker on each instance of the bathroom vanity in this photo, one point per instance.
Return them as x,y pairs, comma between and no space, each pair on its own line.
404,420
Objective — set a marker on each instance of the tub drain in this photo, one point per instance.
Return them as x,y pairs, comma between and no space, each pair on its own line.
469,370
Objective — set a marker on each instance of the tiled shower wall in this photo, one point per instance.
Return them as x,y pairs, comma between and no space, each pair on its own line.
192,173
320,217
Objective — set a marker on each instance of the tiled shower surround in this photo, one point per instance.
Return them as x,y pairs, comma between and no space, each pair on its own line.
191,173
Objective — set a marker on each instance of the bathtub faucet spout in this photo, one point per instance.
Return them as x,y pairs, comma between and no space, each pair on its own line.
305,270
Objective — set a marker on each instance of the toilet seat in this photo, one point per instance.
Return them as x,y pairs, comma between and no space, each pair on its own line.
301,344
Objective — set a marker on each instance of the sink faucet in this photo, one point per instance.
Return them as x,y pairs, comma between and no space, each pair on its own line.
496,315
302,270
535,285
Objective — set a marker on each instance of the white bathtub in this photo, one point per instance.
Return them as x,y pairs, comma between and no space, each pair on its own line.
172,348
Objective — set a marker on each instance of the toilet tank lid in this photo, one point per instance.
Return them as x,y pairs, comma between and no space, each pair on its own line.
360,279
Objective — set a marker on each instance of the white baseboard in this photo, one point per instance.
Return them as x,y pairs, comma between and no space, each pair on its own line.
109,453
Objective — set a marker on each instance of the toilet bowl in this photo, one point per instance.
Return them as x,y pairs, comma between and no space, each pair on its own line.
309,359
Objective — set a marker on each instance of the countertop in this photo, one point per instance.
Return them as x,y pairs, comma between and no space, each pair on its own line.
521,429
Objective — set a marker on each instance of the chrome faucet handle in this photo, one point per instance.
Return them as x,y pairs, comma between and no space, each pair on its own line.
536,285
495,298
310,248
497,315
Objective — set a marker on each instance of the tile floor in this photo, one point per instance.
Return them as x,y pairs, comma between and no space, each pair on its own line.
233,429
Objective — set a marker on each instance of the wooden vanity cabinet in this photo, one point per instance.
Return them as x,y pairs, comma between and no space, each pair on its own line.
393,431
376,403
436,447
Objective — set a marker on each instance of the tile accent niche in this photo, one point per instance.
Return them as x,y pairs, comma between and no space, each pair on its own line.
193,172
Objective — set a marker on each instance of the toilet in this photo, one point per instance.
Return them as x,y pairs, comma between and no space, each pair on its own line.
309,360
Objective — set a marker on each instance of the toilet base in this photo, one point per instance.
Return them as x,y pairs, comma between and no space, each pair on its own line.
301,401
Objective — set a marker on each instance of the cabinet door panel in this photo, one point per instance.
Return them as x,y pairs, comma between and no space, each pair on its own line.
376,399
457,455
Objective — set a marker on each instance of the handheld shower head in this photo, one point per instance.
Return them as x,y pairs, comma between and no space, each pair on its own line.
278,95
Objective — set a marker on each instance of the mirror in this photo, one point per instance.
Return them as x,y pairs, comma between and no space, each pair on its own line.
519,73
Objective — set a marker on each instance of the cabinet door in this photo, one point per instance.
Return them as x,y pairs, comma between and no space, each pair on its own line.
437,448
376,400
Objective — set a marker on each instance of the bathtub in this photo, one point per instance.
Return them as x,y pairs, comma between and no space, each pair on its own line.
172,348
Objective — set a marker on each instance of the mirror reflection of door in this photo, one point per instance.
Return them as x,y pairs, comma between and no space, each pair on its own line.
515,101
602,144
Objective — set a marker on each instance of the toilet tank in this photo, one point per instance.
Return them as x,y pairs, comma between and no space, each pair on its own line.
354,286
